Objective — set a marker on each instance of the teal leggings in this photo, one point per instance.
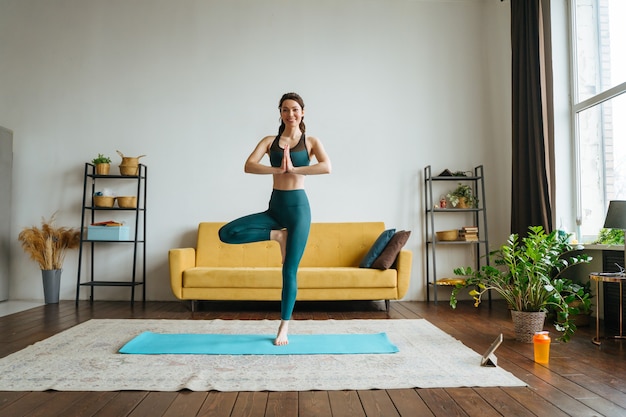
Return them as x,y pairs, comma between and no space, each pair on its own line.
287,210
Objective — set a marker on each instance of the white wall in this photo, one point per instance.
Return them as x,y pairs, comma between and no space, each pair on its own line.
390,87
6,169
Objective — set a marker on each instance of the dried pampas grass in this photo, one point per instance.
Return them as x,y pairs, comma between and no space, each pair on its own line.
47,245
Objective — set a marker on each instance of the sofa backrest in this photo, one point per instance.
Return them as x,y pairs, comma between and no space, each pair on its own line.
340,244
329,244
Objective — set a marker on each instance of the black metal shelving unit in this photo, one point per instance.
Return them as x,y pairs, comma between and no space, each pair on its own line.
433,210
137,237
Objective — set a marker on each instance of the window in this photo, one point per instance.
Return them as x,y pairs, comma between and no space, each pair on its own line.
599,108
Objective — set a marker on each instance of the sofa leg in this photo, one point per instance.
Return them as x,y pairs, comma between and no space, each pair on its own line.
387,306
193,306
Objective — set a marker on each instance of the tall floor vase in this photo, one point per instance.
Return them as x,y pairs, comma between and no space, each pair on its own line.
51,285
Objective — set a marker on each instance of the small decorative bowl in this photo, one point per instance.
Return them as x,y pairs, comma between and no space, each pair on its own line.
127,202
447,235
451,282
103,201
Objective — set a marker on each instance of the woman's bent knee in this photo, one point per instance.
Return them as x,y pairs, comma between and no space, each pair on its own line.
224,234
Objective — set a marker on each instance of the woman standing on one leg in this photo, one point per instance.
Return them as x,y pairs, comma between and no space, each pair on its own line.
288,218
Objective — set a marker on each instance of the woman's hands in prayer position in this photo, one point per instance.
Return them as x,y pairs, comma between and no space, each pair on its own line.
287,165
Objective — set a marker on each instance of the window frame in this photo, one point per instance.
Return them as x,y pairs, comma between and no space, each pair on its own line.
578,107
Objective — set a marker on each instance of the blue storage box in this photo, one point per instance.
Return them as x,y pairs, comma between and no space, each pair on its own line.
108,233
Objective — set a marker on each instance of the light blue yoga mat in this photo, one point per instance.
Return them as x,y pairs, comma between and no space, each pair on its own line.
149,343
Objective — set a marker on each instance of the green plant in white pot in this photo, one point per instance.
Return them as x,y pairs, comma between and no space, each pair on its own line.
524,273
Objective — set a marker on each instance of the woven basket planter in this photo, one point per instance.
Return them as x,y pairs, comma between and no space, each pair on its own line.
103,169
527,323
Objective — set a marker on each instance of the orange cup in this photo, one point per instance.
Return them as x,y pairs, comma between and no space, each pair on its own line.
541,341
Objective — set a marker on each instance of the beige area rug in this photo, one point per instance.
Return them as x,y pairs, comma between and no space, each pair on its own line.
85,358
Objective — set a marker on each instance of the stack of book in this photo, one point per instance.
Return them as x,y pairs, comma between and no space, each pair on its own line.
469,233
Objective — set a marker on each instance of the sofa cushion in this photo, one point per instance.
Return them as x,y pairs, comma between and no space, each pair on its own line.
377,248
308,277
391,251
339,244
329,245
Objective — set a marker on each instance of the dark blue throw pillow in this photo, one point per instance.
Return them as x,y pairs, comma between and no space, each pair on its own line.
377,248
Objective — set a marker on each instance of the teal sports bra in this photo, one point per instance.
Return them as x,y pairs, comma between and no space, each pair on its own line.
299,154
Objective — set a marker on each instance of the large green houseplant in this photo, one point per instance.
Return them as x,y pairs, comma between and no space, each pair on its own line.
524,273
578,295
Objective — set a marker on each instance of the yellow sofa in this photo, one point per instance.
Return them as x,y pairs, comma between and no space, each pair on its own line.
329,269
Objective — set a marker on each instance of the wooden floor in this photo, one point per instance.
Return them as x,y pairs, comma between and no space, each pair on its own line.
581,379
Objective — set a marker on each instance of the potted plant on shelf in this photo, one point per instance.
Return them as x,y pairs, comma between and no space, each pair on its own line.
462,197
102,163
525,272
47,246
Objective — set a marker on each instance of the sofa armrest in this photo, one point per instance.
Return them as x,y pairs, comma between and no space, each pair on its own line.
180,259
403,266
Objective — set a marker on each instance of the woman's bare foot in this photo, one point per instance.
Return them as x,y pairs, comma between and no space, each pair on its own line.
280,236
281,337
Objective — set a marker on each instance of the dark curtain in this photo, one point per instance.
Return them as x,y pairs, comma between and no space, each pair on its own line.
530,200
